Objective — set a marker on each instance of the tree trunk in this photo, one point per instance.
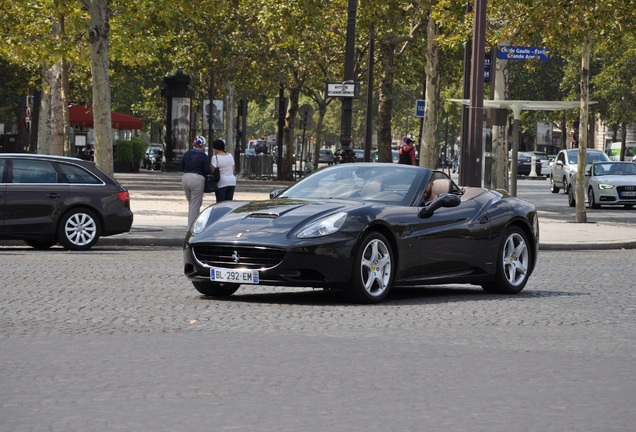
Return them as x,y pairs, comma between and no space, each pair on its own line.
581,216
623,140
290,132
98,29
500,179
429,148
385,102
44,118
230,115
322,111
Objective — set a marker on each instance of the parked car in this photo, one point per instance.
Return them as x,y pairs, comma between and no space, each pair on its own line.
364,229
153,158
524,164
46,200
545,162
395,156
565,166
326,156
359,153
608,183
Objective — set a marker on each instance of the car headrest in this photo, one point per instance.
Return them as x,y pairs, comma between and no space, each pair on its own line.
441,186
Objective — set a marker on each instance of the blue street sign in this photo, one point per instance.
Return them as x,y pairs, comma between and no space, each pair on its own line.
487,68
419,108
523,53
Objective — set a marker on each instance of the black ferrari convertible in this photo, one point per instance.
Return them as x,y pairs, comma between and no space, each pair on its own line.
364,228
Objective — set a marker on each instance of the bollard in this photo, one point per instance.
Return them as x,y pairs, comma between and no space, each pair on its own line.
533,168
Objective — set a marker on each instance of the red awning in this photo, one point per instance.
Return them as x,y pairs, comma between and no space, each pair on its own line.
82,116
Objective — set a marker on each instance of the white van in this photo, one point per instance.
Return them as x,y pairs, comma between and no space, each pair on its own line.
613,150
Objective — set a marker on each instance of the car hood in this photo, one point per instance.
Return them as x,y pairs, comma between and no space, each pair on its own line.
616,179
265,221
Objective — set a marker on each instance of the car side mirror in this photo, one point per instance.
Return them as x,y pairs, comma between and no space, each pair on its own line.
443,200
273,194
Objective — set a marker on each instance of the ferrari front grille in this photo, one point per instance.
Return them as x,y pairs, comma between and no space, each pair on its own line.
249,257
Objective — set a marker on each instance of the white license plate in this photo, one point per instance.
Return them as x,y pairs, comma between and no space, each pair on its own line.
240,276
628,194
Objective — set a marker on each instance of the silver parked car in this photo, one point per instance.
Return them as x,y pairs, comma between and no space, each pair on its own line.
565,166
608,183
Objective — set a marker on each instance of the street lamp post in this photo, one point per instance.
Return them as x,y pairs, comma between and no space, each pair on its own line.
347,102
471,149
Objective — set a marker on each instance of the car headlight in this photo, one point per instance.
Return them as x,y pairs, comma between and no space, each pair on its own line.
602,186
201,221
325,226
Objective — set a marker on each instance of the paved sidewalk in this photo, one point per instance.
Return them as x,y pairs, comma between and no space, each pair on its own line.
161,213
160,210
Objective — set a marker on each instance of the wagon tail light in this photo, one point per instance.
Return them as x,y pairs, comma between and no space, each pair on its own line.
123,196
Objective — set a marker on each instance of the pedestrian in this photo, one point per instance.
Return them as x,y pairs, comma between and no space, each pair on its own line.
224,162
407,152
195,167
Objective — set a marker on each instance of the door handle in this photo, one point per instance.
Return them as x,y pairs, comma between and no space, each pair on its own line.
53,195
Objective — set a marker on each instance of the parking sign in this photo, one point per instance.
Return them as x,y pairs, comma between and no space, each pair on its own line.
419,108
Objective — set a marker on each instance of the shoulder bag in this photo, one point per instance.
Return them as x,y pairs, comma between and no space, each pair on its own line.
211,180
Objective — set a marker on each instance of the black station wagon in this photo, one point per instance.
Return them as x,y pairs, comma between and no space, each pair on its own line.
46,200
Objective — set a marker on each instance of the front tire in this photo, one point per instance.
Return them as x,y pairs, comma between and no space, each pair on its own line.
514,259
372,270
571,197
215,289
590,200
78,230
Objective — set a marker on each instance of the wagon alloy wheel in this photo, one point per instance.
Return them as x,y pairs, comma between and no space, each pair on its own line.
373,270
513,263
79,230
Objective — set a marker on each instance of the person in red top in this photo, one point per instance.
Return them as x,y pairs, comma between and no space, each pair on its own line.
407,152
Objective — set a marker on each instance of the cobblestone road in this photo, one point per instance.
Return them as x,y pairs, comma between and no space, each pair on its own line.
119,340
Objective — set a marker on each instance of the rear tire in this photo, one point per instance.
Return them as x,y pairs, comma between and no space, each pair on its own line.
215,289
514,259
373,270
78,230
553,187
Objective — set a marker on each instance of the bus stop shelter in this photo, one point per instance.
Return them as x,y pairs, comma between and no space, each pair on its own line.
517,106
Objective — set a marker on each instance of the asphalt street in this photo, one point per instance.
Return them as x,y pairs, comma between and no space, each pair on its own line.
118,340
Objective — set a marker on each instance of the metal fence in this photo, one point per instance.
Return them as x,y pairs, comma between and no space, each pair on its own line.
260,166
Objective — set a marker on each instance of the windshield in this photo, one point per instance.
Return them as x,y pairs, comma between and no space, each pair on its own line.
590,156
384,183
614,168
